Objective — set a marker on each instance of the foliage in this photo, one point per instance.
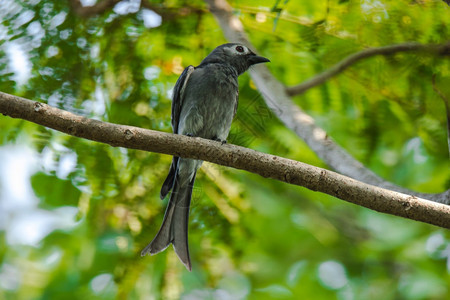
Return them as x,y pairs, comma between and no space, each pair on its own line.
250,237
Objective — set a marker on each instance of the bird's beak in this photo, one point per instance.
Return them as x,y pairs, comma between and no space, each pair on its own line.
255,59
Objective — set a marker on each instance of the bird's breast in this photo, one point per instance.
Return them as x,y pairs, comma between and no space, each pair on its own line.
210,99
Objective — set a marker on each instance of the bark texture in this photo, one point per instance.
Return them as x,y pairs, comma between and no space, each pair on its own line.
266,165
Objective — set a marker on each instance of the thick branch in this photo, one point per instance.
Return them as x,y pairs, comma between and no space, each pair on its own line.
266,165
443,49
294,118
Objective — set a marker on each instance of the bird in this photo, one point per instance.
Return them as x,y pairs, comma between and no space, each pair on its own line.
204,103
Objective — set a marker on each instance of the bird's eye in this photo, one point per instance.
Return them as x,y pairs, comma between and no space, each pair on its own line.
239,49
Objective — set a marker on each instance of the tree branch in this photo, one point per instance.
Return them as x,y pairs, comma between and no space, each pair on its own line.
276,98
440,49
266,165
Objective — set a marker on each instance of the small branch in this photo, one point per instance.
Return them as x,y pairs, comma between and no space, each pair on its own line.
440,49
266,165
447,108
279,102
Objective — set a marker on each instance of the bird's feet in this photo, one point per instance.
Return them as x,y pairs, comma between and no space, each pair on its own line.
219,140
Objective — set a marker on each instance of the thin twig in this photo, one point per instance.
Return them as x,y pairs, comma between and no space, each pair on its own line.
440,49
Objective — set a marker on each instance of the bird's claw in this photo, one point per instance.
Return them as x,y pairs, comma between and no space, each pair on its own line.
219,140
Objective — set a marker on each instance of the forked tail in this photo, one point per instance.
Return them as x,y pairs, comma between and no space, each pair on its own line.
174,228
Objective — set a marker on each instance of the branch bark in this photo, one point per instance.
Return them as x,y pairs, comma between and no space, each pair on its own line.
440,49
277,99
266,165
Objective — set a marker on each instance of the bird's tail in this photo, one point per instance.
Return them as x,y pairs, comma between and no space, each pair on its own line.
174,228
168,183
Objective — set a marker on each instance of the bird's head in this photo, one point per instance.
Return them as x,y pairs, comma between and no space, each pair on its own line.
237,55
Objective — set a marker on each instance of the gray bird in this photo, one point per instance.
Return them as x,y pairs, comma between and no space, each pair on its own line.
205,100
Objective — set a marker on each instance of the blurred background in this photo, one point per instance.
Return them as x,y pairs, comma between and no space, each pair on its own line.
75,214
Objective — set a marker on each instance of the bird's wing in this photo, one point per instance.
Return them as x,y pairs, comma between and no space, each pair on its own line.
236,104
178,96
